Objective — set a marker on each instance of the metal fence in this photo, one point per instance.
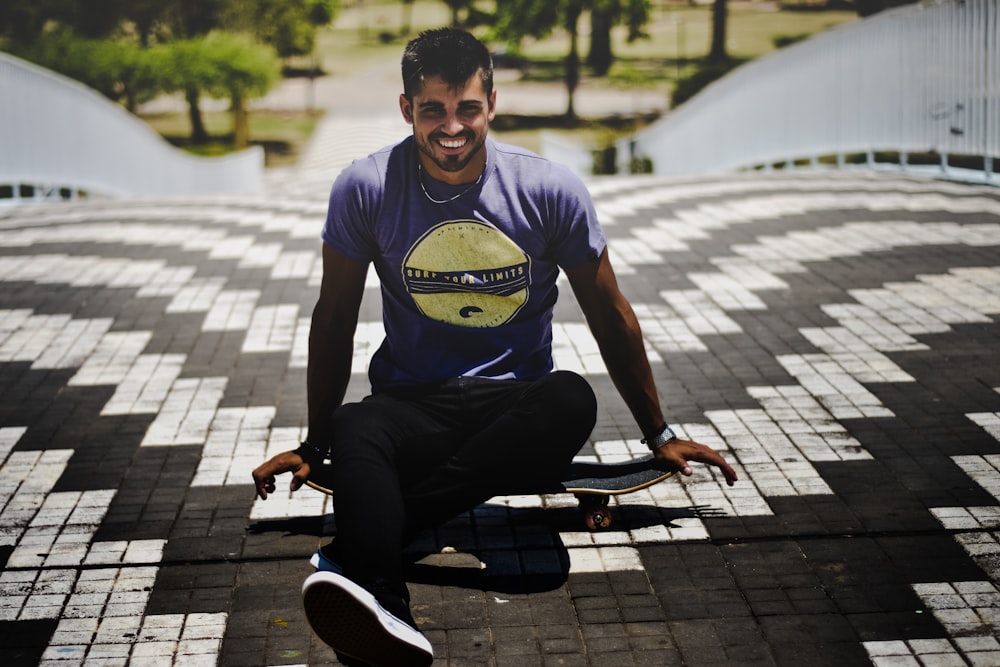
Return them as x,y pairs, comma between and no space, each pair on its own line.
919,79
58,137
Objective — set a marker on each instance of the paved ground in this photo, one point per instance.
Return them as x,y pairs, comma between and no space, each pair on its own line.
835,333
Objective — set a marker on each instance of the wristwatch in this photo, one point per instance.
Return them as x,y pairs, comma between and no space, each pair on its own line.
665,436
310,453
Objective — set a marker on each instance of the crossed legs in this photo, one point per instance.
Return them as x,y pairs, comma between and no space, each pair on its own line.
412,460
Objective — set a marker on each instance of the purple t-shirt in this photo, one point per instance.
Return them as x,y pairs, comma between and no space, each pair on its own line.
468,286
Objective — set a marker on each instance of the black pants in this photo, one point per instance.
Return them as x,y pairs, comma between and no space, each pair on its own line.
408,460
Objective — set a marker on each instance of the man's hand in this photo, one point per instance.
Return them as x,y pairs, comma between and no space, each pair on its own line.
263,475
676,454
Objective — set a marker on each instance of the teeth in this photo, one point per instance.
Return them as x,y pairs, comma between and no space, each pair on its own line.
452,143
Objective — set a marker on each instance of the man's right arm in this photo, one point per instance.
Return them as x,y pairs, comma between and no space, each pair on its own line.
331,340
331,351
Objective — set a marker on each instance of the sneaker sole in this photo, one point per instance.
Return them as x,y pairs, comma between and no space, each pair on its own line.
350,620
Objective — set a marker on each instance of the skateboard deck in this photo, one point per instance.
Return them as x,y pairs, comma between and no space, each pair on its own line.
593,484
611,479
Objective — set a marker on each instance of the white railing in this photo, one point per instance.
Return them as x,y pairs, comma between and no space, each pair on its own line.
579,158
918,79
58,134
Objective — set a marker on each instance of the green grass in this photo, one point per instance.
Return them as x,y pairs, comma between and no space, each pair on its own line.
282,134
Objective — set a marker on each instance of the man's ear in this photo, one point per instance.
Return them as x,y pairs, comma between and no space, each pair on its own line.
406,107
492,108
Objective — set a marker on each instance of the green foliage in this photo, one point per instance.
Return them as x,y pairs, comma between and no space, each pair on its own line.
322,12
117,69
520,19
142,73
224,65
221,64
517,20
89,61
154,46
286,25
633,14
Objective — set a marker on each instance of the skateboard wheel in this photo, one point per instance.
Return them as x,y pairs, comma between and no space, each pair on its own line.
598,519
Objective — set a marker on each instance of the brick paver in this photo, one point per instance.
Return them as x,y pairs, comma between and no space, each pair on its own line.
834,333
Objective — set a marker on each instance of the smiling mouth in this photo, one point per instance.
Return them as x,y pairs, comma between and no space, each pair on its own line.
458,142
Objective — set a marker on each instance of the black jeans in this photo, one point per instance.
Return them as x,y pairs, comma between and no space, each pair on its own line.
407,460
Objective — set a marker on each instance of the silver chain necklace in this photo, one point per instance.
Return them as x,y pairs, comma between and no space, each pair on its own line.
420,179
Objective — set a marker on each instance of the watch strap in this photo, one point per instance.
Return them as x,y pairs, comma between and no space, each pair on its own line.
662,438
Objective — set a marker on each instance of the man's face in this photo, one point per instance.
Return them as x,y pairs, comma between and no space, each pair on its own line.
450,124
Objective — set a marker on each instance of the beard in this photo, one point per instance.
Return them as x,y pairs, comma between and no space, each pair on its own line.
451,163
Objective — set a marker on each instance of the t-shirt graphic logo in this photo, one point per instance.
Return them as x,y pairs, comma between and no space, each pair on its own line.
467,273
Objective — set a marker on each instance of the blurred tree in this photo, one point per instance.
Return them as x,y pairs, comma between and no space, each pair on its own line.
285,26
718,53
189,72
92,62
143,73
243,70
289,26
571,18
604,15
519,19
167,45
225,65
119,69
322,12
516,20
146,17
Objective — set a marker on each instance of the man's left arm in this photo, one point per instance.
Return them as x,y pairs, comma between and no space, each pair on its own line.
616,329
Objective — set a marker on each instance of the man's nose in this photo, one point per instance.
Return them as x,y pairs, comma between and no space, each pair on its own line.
453,125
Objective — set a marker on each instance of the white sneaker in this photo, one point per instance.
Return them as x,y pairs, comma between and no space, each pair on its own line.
352,622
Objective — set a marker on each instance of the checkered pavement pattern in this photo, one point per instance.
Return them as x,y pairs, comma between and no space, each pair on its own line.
833,333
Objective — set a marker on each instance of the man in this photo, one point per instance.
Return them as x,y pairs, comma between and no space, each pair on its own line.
467,237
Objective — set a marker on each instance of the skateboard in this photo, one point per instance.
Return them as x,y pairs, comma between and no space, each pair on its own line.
593,484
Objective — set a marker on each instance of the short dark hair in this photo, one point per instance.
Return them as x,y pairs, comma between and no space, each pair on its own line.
450,53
